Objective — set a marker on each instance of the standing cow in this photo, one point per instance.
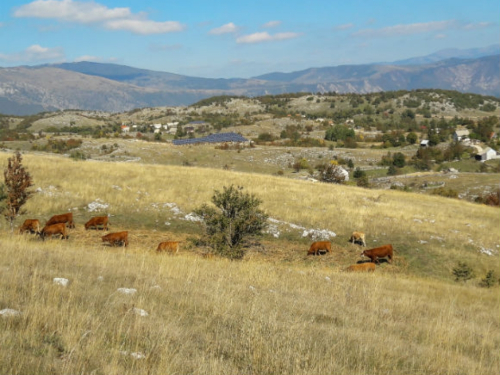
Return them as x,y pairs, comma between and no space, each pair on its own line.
53,230
116,239
379,252
358,237
96,221
63,218
319,246
30,225
171,247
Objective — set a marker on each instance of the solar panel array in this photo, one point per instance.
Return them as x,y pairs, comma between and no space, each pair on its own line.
212,138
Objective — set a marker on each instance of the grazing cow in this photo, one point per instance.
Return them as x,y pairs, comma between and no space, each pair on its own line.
358,237
363,267
117,238
30,225
63,218
96,221
171,247
317,247
379,252
54,229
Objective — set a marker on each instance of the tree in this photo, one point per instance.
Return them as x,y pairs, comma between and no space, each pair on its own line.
234,220
399,160
411,138
17,184
463,272
333,173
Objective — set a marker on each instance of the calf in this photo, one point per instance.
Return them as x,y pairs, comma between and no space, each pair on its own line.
63,218
379,252
54,229
171,247
30,225
317,247
118,238
96,221
363,267
358,237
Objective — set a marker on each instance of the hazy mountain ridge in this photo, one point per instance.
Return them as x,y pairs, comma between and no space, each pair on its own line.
117,88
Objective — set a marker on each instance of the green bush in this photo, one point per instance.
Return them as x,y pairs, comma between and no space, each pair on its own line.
463,272
235,219
489,280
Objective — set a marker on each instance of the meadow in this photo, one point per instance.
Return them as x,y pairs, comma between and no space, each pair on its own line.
276,311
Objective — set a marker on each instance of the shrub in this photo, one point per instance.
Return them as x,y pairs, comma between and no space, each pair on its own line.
333,173
489,280
444,192
235,219
363,181
358,173
463,272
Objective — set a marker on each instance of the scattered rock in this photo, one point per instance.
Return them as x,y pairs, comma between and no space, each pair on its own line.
6,313
61,281
139,312
128,291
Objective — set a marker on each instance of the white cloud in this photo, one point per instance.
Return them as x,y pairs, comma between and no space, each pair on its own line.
144,27
479,25
35,53
90,12
228,28
271,24
409,29
71,11
440,36
344,26
265,37
87,58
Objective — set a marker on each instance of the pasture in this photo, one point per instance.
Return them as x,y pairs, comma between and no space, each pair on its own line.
276,311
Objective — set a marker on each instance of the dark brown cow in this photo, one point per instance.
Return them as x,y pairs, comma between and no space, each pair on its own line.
363,267
379,252
54,229
117,238
30,225
317,247
171,247
63,218
96,221
358,237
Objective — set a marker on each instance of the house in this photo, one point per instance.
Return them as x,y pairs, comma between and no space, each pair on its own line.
460,135
424,143
125,128
487,154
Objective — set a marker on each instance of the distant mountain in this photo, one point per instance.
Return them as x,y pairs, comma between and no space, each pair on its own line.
472,53
118,88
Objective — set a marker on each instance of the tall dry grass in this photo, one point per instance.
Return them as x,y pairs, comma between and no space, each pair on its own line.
222,317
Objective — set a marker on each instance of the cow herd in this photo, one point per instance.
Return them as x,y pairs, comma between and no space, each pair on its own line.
56,226
385,251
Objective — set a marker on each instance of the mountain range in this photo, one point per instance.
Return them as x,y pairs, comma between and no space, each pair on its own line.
27,90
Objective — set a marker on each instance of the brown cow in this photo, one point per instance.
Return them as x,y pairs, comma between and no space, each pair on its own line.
117,238
63,218
363,267
379,252
358,237
30,225
96,221
171,247
316,247
54,229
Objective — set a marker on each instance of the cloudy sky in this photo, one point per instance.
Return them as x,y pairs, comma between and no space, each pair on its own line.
226,39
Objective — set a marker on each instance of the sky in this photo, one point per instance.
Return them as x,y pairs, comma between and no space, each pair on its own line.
238,38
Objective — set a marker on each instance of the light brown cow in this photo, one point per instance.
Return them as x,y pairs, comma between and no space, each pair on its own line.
317,247
63,218
117,238
358,237
363,267
30,225
171,247
379,252
96,221
54,229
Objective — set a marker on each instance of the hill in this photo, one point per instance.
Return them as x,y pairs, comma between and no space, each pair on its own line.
277,311
116,88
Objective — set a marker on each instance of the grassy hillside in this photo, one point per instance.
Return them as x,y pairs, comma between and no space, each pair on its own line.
277,311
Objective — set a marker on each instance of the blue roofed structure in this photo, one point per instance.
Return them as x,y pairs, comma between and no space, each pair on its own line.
212,138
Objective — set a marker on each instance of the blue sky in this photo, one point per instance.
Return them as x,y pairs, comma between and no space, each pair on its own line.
227,39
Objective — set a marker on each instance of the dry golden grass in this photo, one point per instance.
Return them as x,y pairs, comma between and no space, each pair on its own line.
222,317
278,311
